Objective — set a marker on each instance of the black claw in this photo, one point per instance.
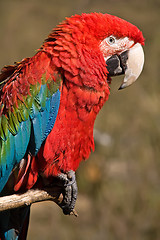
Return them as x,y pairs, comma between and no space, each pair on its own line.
72,178
70,191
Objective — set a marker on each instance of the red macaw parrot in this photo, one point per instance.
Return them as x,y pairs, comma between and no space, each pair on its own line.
49,102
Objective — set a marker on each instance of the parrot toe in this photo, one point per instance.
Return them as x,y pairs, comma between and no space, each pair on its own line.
70,192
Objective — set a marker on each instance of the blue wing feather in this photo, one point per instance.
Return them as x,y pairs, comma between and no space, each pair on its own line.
43,122
55,101
31,133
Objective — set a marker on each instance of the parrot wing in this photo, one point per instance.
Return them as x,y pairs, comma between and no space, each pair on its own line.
29,103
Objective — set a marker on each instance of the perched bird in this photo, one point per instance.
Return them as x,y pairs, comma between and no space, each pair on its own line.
49,102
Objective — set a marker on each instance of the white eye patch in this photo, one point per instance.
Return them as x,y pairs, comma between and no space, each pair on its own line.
112,45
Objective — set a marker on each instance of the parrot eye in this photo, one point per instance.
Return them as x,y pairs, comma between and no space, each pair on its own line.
111,40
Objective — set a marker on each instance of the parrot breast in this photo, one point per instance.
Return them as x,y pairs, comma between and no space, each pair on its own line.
71,139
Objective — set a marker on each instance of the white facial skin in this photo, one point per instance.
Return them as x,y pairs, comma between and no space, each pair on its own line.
112,45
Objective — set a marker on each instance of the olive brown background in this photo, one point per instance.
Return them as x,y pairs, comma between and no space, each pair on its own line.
119,186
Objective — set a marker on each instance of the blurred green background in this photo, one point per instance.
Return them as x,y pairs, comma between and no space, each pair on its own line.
119,186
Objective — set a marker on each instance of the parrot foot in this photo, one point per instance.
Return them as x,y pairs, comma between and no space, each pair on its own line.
70,192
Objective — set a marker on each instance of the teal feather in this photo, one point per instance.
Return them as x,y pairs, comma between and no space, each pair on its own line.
45,118
54,106
43,96
21,140
36,134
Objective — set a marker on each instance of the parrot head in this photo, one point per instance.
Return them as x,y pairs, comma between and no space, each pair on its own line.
124,54
88,43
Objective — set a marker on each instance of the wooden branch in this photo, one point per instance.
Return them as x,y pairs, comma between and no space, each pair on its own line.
32,196
29,197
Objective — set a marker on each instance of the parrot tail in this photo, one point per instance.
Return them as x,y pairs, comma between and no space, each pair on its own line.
14,224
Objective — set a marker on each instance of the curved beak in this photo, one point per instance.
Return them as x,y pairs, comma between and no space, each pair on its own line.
129,63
